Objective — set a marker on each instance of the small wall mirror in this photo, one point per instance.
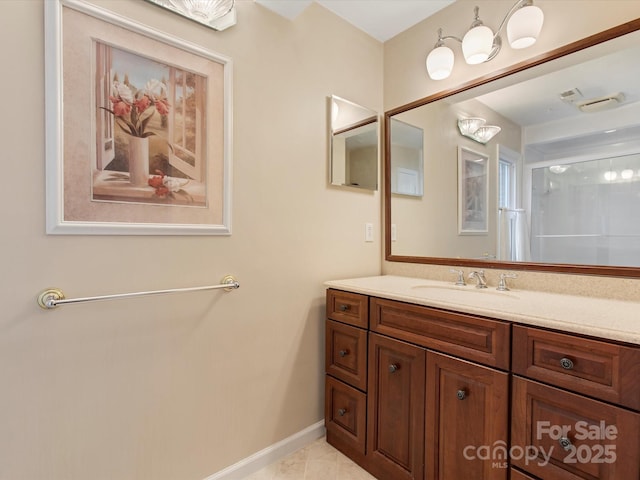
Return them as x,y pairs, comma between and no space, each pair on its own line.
353,145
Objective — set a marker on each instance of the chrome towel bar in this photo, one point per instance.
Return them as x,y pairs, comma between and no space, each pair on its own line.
52,297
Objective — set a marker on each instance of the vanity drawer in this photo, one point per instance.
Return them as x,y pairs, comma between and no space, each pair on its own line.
596,368
346,307
346,354
472,338
518,475
345,416
575,437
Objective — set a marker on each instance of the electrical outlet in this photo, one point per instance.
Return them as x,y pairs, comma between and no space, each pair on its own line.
368,232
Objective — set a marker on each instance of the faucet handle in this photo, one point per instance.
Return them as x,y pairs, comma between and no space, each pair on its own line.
460,281
502,285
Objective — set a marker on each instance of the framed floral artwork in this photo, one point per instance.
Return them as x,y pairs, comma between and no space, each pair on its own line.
473,192
138,129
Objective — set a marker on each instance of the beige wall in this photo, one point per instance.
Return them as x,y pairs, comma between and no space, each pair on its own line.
179,387
406,80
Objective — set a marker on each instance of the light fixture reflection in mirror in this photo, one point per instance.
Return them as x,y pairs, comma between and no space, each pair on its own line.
475,129
353,148
216,14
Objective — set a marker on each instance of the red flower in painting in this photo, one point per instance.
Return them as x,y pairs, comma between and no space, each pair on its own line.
132,107
166,186
162,106
143,103
120,108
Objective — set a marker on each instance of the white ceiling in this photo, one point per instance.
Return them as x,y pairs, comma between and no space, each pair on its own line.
382,19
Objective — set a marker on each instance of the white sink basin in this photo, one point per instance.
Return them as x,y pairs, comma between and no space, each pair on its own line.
465,290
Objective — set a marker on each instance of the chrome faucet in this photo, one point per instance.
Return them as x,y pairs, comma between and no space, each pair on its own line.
502,285
479,276
460,281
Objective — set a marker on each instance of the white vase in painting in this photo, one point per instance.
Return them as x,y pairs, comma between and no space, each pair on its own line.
138,161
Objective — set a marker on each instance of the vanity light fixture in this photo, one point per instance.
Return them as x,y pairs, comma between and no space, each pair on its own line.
475,129
524,22
215,14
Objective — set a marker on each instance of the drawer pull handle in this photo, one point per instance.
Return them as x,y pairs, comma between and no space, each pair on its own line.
343,353
461,394
342,412
566,363
565,443
393,368
344,308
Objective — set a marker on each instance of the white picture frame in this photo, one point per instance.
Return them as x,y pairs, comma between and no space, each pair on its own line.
87,195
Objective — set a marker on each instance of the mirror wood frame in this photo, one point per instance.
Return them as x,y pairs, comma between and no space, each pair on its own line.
613,271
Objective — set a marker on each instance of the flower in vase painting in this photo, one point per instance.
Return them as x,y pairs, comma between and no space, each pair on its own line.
133,108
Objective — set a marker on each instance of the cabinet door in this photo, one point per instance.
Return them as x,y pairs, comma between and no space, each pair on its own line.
467,410
571,437
395,408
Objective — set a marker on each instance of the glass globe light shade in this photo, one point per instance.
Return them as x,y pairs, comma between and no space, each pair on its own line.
627,174
524,27
477,44
486,133
558,169
440,63
468,126
203,10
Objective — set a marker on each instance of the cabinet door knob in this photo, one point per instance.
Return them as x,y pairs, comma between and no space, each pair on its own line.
393,368
565,443
344,308
461,394
566,363
342,412
343,353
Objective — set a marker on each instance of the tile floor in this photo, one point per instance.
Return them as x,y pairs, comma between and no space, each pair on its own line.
316,461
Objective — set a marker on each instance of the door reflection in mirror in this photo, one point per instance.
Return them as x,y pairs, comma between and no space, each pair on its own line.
407,154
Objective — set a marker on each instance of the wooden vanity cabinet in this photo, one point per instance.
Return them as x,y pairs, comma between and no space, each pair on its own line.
430,392
345,403
575,405
413,392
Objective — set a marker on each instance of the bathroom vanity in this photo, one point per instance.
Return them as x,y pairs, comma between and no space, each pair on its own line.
428,380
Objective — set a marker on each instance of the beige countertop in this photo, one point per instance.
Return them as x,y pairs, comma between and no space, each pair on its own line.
610,319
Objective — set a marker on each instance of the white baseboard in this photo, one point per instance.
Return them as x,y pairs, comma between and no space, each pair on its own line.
271,454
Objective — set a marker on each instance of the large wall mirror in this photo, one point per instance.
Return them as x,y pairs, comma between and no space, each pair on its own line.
354,142
536,168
